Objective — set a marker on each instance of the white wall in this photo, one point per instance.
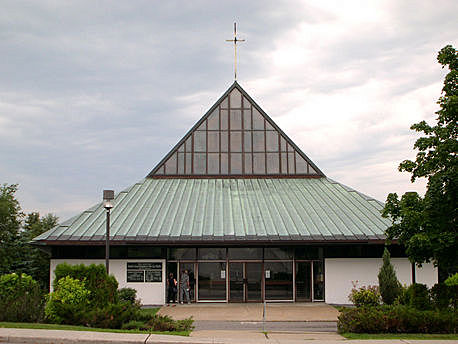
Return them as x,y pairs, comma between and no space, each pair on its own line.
341,272
148,293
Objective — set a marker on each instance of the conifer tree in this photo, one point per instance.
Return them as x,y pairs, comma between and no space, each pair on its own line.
387,280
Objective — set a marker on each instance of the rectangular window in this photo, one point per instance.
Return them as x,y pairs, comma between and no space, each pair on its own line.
236,141
259,163
236,163
213,141
213,163
236,119
212,281
279,280
212,253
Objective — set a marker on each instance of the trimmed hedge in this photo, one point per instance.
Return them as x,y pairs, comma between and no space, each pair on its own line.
396,319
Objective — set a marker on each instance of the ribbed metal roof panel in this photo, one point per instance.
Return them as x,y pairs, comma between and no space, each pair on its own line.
234,209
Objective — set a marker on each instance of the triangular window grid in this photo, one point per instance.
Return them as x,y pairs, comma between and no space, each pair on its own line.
235,138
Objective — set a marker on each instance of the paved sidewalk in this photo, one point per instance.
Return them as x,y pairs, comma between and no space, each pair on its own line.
30,336
253,311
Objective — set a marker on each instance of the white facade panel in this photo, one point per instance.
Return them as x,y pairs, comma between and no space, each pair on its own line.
341,273
150,293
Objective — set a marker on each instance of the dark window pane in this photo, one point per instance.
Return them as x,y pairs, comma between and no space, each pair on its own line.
213,163
248,163
171,165
272,141
273,163
236,98
245,253
224,120
236,119
212,253
258,120
213,141
212,281
188,144
200,141
291,163
308,252
303,281
279,280
180,163
225,103
145,252
224,145
200,163
224,163
258,141
188,163
236,141
318,280
284,165
247,119
259,163
278,253
246,103
182,253
236,163
247,141
301,164
213,120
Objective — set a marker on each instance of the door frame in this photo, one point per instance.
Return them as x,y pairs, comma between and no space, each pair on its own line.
245,284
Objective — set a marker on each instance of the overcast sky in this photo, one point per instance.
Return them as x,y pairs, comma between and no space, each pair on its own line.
94,93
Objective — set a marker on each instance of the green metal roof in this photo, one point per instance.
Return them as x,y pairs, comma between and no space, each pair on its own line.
185,210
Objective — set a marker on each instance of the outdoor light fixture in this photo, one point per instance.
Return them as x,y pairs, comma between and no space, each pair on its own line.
108,197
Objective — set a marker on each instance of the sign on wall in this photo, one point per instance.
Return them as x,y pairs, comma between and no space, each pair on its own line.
144,272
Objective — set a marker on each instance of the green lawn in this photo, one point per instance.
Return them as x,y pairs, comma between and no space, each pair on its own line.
450,336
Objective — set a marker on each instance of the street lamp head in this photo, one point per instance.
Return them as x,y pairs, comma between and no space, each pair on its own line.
108,196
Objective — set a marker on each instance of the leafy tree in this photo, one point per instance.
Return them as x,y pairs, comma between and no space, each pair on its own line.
10,223
35,261
389,285
426,226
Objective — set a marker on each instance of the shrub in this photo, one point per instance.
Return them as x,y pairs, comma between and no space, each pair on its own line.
452,280
440,296
396,319
113,315
165,323
388,283
68,303
419,296
127,295
403,297
365,296
103,287
21,298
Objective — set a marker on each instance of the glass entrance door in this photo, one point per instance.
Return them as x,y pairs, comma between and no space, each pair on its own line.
245,282
303,281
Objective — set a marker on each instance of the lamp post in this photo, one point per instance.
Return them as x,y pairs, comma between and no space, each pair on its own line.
108,196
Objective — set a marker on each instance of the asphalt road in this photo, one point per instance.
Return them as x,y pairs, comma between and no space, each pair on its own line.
293,326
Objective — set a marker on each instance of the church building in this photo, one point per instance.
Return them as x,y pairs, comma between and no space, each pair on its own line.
241,207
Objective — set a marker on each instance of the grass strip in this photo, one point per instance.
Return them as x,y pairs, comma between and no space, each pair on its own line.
41,326
420,336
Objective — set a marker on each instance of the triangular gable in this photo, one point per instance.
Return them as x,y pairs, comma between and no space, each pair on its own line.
235,138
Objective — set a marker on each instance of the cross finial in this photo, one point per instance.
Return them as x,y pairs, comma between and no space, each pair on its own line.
235,40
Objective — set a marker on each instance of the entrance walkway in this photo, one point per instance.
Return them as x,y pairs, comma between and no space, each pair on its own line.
252,312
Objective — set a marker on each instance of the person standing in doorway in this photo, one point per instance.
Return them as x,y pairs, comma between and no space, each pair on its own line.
184,286
172,289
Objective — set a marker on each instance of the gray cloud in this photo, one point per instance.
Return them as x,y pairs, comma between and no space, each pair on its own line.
92,95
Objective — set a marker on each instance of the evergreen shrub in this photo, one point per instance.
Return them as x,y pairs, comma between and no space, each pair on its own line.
21,299
389,285
103,287
419,296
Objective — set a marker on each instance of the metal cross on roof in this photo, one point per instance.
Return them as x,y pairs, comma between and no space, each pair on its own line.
235,40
